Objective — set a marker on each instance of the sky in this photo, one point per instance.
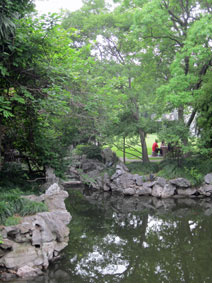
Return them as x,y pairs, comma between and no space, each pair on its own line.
46,6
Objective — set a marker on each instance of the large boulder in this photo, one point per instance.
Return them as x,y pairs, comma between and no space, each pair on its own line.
157,191
144,191
129,191
180,182
160,181
168,191
109,157
205,190
208,178
122,181
187,192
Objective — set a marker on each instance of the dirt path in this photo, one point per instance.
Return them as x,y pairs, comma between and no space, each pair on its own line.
156,159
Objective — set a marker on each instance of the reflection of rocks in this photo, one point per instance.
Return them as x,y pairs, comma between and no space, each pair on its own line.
126,204
28,247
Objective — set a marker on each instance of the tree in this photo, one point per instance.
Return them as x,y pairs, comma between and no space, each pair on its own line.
171,29
124,71
36,72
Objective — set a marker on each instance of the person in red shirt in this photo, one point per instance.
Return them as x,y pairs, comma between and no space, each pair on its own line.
155,148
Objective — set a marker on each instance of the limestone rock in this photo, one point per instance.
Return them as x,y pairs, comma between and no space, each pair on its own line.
168,191
187,192
50,176
205,190
29,246
124,181
144,191
28,272
157,191
54,198
161,181
139,180
180,182
129,191
109,157
208,178
148,184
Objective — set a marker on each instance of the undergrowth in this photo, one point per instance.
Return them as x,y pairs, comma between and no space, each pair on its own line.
12,205
194,169
143,168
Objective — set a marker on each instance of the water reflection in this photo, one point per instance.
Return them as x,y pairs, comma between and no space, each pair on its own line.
115,239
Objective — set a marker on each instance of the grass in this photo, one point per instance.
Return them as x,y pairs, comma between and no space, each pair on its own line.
13,206
131,152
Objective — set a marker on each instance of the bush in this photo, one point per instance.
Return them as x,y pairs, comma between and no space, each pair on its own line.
92,151
193,169
143,169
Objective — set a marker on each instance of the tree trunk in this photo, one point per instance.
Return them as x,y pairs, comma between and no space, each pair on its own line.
1,138
145,157
124,151
0,152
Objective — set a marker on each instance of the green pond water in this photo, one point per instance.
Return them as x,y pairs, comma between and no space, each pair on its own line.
117,239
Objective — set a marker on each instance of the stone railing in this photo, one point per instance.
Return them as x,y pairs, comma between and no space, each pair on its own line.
27,248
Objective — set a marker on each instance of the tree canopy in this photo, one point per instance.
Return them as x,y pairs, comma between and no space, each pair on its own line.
103,72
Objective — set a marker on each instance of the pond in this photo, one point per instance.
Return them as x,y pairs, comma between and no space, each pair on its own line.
119,239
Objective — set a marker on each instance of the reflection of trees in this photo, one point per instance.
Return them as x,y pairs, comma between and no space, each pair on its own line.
119,246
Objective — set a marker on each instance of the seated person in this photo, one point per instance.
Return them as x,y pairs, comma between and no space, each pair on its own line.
156,149
163,148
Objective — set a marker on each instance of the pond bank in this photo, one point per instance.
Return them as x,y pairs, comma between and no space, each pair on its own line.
28,248
112,175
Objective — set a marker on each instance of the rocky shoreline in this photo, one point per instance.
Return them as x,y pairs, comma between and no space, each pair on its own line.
94,173
28,248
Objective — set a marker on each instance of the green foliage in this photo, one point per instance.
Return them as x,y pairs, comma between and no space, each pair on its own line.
12,204
12,220
14,175
90,150
193,169
143,169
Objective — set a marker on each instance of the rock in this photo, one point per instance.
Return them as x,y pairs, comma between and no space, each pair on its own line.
129,191
144,191
71,183
186,192
50,176
54,198
28,272
161,181
148,184
139,180
157,191
106,183
168,191
122,166
109,157
124,181
22,254
205,190
180,182
29,246
208,178
120,170
88,166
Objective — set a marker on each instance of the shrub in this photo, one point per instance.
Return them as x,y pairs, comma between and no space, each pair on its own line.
92,151
143,168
